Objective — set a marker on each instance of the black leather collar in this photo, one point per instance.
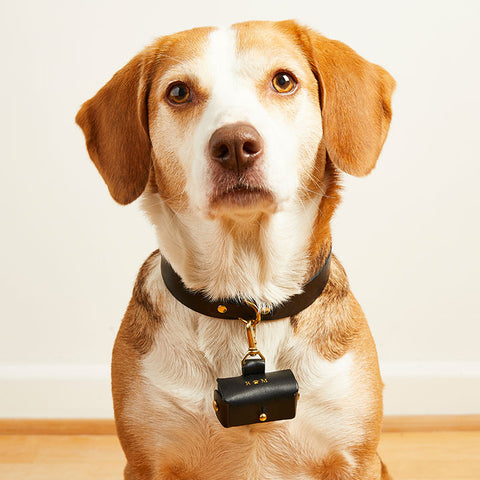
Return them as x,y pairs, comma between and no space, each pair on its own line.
232,309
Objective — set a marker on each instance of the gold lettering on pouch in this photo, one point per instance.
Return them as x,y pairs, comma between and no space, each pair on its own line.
256,382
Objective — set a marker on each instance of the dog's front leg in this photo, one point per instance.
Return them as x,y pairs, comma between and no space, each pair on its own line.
132,341
142,426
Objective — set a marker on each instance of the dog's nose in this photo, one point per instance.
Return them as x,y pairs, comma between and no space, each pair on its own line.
236,146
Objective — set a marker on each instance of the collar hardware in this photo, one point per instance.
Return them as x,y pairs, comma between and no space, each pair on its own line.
251,327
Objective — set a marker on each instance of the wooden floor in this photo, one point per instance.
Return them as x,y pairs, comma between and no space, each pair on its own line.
411,455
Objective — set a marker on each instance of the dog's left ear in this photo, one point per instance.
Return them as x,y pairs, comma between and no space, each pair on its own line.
115,124
355,100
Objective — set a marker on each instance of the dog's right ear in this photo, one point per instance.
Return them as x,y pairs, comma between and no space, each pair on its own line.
355,97
115,125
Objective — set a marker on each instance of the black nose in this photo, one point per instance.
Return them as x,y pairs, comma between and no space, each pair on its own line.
236,146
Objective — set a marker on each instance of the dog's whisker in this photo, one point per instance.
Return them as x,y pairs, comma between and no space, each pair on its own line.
315,180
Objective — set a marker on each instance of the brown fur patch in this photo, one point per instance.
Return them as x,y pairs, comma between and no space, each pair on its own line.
326,184
333,466
333,320
142,317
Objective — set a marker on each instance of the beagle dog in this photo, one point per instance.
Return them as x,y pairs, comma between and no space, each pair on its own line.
235,139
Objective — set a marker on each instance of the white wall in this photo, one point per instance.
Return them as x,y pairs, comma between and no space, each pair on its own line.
408,234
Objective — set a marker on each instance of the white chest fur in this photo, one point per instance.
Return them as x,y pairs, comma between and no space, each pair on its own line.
179,377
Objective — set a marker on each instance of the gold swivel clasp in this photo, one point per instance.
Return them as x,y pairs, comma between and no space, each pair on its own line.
251,326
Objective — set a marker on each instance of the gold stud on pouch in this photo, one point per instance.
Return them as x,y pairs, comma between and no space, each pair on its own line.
255,396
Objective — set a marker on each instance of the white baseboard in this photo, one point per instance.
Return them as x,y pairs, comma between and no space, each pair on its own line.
431,388
83,391
55,391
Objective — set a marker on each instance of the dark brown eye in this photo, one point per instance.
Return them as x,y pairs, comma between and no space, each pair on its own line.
283,82
179,93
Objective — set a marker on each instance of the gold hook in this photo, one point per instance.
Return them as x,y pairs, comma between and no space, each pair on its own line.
251,326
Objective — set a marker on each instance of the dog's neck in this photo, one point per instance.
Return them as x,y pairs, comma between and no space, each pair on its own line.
267,261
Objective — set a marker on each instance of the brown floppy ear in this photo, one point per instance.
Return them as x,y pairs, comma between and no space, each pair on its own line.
115,125
355,100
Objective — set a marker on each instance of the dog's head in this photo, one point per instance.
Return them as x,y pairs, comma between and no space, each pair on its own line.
230,122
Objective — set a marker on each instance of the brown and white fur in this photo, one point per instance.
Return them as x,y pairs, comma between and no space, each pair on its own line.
256,231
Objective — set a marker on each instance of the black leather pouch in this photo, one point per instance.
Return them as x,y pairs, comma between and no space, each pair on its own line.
256,396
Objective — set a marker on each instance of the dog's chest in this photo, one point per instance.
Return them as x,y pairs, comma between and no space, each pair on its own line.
179,377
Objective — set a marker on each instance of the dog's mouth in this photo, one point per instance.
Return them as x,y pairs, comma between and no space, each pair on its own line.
242,196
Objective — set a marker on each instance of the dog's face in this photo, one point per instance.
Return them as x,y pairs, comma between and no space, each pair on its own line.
225,122
238,129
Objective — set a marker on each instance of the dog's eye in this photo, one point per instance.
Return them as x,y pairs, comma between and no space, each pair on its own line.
179,93
283,82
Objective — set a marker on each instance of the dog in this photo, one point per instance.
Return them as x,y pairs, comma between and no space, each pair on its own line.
235,139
